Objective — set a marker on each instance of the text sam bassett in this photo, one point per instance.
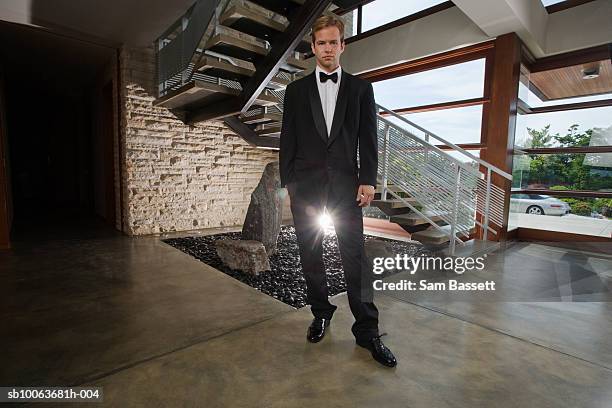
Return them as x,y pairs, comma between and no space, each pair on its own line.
424,285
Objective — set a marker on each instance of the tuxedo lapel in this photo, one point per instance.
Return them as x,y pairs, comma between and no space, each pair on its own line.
316,107
340,110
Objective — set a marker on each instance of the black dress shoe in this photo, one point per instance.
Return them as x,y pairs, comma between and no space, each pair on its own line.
316,331
380,352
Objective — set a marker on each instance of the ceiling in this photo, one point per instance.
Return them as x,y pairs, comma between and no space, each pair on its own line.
40,57
134,22
568,82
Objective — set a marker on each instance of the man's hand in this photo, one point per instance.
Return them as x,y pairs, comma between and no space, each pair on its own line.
365,195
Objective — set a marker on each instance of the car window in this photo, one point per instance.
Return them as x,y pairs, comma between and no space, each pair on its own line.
538,197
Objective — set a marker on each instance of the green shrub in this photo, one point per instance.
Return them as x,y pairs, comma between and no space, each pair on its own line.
581,208
603,206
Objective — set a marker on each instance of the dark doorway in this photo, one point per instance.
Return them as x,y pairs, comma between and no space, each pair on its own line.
60,132
108,152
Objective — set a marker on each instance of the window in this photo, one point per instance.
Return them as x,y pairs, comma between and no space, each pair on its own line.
564,151
568,128
381,12
551,2
575,172
368,17
455,82
457,125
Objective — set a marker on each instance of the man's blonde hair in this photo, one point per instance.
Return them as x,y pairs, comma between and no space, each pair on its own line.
327,20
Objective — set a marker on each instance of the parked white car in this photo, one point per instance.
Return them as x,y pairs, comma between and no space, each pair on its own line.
538,204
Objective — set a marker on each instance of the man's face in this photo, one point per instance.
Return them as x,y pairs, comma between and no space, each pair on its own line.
327,47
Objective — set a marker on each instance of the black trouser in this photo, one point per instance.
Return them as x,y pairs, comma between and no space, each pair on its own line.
348,222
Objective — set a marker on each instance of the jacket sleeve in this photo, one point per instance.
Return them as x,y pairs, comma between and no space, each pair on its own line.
368,139
288,143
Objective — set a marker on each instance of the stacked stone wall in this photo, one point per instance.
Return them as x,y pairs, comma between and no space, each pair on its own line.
177,177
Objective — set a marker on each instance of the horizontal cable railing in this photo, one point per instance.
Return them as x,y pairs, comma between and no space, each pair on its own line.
177,48
457,190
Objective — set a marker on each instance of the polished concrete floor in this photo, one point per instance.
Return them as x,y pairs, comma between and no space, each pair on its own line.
155,327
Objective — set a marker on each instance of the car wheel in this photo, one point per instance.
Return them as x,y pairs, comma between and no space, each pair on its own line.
535,210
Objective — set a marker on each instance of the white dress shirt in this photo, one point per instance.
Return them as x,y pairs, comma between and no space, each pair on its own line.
328,92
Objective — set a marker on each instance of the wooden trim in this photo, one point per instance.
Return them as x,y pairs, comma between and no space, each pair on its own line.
501,115
486,89
404,20
567,150
565,193
530,234
597,53
570,106
564,5
444,59
438,106
464,146
512,235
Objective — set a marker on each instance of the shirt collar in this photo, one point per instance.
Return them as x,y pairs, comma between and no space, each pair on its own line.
338,70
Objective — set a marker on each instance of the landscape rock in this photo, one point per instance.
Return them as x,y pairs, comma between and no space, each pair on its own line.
263,219
244,255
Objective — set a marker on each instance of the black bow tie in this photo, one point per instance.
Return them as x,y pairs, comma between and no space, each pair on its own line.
323,77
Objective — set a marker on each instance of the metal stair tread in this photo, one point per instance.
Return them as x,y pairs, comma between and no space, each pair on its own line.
198,91
252,19
211,66
283,7
236,44
415,219
251,39
262,117
297,63
433,236
304,44
395,203
278,82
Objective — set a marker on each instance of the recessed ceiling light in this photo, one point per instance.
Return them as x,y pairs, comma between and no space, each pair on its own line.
590,73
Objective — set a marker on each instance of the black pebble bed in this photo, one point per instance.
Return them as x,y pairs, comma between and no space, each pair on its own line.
285,281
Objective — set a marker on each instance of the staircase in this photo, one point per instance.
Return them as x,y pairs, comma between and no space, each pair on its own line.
232,59
440,197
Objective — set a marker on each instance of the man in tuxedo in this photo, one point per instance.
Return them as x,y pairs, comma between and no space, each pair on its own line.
327,116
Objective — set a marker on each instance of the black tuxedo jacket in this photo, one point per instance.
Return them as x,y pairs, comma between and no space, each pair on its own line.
310,159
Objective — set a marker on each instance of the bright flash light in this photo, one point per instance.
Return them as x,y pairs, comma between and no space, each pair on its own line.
325,221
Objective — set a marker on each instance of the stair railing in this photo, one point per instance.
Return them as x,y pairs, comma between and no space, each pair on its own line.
459,191
180,46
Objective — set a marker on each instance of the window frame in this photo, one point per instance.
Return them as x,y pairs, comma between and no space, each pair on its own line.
395,23
597,53
473,52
